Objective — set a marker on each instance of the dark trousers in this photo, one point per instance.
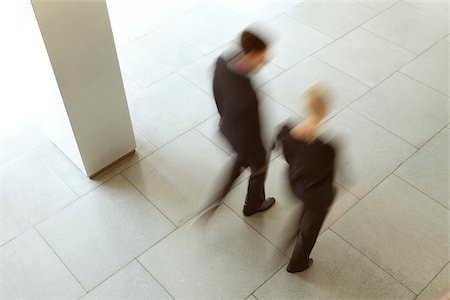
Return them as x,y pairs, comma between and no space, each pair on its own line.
310,225
255,191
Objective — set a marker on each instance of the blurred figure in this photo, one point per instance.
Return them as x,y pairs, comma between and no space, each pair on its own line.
311,172
237,104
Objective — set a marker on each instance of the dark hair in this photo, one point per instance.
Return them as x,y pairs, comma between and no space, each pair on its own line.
250,42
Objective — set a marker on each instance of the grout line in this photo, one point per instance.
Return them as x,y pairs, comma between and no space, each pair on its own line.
278,270
108,277
432,280
60,259
382,127
154,277
381,268
254,229
426,11
134,258
381,11
153,204
424,84
418,190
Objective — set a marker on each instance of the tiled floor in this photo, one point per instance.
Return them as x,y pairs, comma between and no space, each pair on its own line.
125,234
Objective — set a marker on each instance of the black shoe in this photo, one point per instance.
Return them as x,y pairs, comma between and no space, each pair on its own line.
264,206
293,270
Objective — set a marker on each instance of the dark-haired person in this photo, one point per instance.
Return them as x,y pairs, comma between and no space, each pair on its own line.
311,172
237,104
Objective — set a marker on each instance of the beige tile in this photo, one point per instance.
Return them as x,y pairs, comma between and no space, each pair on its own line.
180,177
30,192
365,56
408,27
295,41
401,230
400,104
436,7
438,287
135,18
368,153
339,272
379,5
258,11
223,258
427,169
29,269
334,18
431,67
208,27
104,230
131,282
162,112
155,55
289,88
76,179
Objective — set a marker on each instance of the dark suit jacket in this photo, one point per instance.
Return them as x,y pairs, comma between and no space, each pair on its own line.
311,169
237,104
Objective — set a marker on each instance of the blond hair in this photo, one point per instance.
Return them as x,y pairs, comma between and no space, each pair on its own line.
317,101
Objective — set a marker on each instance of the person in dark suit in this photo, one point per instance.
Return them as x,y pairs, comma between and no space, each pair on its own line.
237,104
311,171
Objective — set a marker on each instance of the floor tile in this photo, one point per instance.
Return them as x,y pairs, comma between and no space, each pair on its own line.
273,116
162,112
201,72
333,18
224,258
419,222
210,129
280,223
132,89
135,18
76,179
30,270
365,56
432,68
379,5
120,39
436,7
258,11
208,27
400,104
288,88
438,287
19,132
154,56
408,27
30,192
104,230
295,41
132,282
339,272
427,170
367,152
179,177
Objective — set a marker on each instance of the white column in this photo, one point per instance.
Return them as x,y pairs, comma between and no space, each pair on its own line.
91,124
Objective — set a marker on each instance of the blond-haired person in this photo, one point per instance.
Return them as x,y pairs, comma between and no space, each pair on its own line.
311,171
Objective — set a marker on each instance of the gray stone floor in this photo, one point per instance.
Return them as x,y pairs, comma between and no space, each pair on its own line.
125,234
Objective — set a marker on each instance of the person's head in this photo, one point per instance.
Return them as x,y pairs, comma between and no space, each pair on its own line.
317,101
255,49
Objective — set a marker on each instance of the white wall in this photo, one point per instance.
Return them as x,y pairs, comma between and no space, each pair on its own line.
79,42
